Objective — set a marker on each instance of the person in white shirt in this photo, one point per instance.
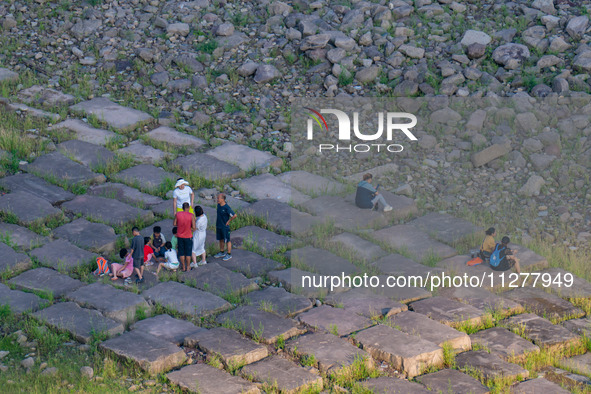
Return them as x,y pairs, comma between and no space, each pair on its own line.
182,194
199,237
172,261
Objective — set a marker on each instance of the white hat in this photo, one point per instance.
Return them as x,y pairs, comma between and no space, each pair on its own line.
180,182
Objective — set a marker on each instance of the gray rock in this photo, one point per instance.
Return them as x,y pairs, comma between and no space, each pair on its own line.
250,264
57,166
225,29
210,380
368,74
182,29
144,153
446,228
344,42
19,302
159,78
86,28
208,167
544,304
475,37
541,331
7,75
186,300
489,365
320,261
412,51
247,69
475,51
28,362
269,186
45,96
107,210
87,372
124,193
283,374
218,280
266,73
448,312
84,132
503,342
49,371
386,384
47,281
489,154
264,240
282,216
279,301
317,41
538,385
145,176
576,26
230,346
338,321
510,55
244,157
189,61
96,237
167,328
21,237
27,207
86,153
360,247
115,115
37,186
541,161
546,6
167,135
62,255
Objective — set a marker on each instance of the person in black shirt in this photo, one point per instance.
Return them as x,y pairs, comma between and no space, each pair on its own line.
508,259
225,215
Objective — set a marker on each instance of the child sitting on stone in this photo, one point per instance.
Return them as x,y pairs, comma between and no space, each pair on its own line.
172,261
125,270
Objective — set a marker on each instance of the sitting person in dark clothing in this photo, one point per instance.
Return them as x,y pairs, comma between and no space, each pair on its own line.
506,258
368,196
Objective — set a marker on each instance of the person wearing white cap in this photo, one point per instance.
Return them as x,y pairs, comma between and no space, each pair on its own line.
182,194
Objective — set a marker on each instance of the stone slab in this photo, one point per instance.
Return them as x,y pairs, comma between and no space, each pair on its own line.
167,328
544,304
457,265
446,228
405,353
419,325
250,264
578,364
39,187
541,331
244,157
150,353
565,378
126,194
18,301
366,303
96,237
503,342
489,365
144,153
229,345
61,255
106,210
82,323
320,261
27,207
284,374
47,281
311,184
337,321
331,353
21,237
282,216
12,260
113,303
266,327
206,379
528,259
481,299
343,214
397,265
451,380
33,112
163,209
145,176
207,166
115,115
448,312
292,279
402,207
259,238
279,301
57,166
360,248
538,385
416,242
403,294
170,136
268,186
580,327
186,300
85,132
389,169
90,155
580,289
386,384
218,280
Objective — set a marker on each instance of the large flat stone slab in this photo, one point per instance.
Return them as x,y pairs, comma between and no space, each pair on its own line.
113,303
46,280
268,186
320,261
170,136
451,380
12,260
579,289
296,281
386,384
528,259
85,132
284,374
366,303
489,365
403,294
579,326
265,327
398,265
150,353
244,157
359,247
503,342
419,325
538,385
493,280
250,264
279,301
566,378
207,166
34,185
145,176
337,321
82,323
86,153
206,379
218,280
57,166
186,300
541,332
446,228
96,237
167,328
311,184
62,255
345,215
19,301
115,115
144,153
544,304
282,216
405,353
260,239
126,194
229,345
331,353
46,97
21,237
106,210
27,207
578,364
417,243
448,312
482,299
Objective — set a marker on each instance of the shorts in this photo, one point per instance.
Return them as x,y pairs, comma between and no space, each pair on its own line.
181,210
505,264
222,234
185,247
160,253
170,266
138,263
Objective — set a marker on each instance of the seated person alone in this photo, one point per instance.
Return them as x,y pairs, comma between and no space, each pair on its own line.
368,196
502,258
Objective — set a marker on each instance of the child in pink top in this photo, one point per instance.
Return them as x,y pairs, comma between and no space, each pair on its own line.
120,270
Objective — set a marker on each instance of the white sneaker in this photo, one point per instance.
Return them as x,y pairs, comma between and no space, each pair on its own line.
193,265
387,208
202,263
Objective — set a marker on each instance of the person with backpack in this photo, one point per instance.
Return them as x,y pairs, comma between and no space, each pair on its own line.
488,245
502,258
368,196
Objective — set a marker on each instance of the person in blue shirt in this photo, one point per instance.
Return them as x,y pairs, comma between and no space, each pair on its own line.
368,196
225,215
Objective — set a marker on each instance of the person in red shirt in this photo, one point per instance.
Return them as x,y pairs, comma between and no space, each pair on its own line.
148,251
185,223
